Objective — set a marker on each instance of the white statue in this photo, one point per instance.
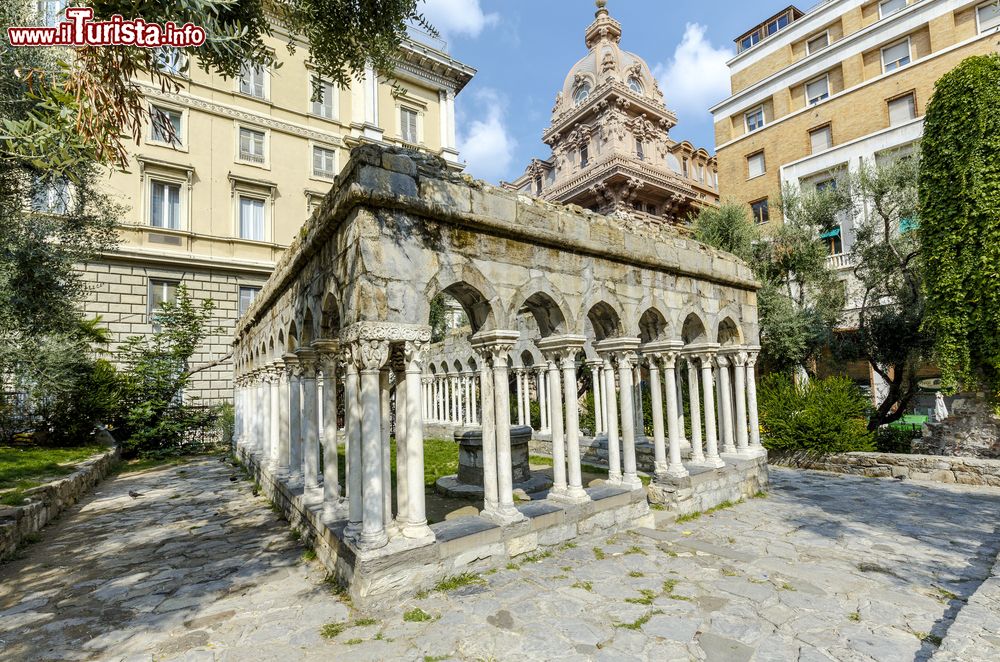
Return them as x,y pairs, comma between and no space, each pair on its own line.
940,410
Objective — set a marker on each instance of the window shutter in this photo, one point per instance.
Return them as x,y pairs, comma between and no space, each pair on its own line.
901,110
821,139
755,165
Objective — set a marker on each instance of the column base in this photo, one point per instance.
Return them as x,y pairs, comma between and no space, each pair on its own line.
334,510
631,482
573,495
503,516
417,531
756,451
352,530
713,463
372,540
676,472
614,479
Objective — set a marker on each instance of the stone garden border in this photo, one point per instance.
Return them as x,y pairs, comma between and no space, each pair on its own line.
46,502
934,468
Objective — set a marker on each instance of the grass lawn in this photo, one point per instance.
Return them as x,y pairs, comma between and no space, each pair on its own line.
440,459
22,468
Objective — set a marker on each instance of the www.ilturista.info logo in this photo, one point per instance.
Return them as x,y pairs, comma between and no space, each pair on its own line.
79,29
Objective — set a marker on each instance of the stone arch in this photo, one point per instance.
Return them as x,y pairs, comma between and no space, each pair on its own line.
433,369
693,330
545,303
605,322
653,326
329,318
729,333
458,366
473,366
472,291
292,342
308,328
527,359
444,368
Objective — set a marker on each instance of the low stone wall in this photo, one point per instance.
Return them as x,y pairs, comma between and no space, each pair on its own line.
972,430
937,468
469,544
705,488
46,502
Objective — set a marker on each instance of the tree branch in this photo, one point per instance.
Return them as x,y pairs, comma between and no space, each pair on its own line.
209,366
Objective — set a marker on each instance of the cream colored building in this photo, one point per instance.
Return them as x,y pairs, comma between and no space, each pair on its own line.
820,92
214,208
612,151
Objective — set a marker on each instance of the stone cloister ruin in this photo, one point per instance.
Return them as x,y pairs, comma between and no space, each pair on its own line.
550,293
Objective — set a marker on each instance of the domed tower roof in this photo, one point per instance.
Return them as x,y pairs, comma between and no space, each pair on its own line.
606,62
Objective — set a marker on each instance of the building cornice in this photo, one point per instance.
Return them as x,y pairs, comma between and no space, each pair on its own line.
606,93
188,260
619,164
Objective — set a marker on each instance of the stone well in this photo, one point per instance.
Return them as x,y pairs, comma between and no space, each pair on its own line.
469,480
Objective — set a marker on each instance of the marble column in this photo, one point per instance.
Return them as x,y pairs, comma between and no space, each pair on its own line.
402,457
309,423
674,421
371,358
611,416
595,380
637,404
754,422
630,476
543,405
726,398
697,452
284,418
415,523
556,421
497,345
470,404
491,500
739,360
476,403
656,400
712,458
575,489
679,380
328,350
352,429
519,385
385,427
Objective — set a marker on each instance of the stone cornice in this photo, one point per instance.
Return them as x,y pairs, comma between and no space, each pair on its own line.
605,92
620,164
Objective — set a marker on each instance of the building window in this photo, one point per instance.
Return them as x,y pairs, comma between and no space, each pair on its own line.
817,43
988,16
818,90
251,213
902,109
160,291
408,125
324,162
325,106
825,184
821,138
755,119
50,12
777,24
581,93
51,196
538,185
760,211
640,151
833,241
247,295
251,145
896,56
755,165
164,205
253,80
635,85
749,41
584,156
889,7
166,125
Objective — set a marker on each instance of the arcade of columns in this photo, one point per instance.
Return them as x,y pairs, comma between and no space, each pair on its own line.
344,318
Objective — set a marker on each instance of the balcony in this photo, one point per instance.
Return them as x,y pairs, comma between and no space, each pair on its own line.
841,261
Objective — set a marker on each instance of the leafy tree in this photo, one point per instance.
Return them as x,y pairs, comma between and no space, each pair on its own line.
155,416
800,299
889,272
86,107
960,223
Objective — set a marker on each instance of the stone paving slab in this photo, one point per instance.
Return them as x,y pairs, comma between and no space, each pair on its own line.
825,568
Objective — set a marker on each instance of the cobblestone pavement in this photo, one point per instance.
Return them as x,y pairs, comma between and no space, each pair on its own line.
825,567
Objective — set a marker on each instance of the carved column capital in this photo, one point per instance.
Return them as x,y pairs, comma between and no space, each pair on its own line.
414,352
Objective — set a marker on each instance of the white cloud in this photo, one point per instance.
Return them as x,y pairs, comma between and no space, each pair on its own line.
453,18
697,77
484,140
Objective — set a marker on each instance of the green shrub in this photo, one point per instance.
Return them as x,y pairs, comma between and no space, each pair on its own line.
824,415
890,439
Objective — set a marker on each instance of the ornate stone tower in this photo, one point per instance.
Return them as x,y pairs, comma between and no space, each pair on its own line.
610,139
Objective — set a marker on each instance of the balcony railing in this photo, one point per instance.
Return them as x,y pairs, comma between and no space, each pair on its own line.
251,157
841,261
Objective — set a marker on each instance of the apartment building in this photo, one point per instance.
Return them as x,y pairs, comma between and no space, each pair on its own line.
817,91
215,198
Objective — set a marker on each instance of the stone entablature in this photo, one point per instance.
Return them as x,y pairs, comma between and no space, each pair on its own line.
542,286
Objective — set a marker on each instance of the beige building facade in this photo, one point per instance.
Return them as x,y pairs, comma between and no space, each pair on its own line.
819,93
214,201
612,151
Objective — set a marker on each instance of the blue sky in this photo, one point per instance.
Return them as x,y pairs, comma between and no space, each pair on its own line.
523,50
